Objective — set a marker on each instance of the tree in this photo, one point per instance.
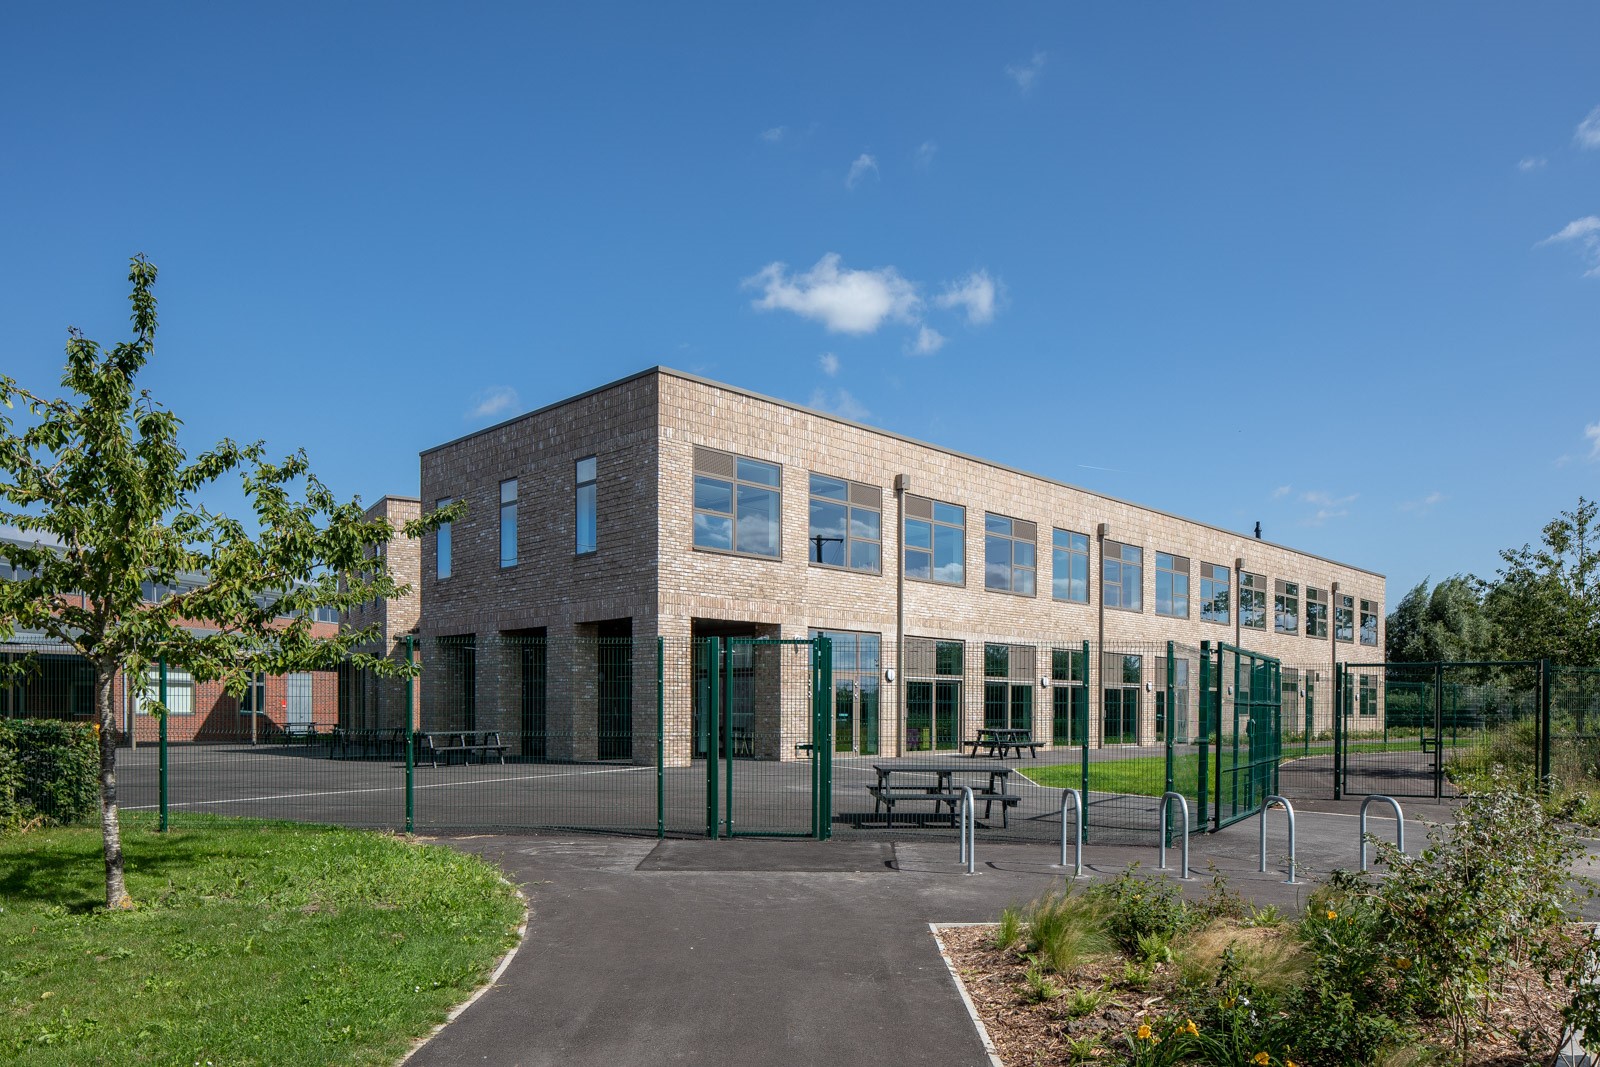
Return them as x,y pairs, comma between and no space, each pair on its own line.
1547,598
113,501
1448,624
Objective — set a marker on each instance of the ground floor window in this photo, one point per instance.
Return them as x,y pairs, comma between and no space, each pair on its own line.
1069,696
857,661
1176,717
1008,687
1122,678
180,692
933,694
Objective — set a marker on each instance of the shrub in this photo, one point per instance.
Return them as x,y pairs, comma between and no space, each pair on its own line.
49,772
1141,907
1063,929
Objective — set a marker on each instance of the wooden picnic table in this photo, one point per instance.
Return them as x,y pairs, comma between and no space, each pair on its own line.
944,788
999,740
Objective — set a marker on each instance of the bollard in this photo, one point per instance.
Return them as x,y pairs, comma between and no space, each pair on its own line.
1399,823
1288,809
1077,808
1161,845
969,827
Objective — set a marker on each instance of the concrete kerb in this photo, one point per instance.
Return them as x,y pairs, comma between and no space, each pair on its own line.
961,987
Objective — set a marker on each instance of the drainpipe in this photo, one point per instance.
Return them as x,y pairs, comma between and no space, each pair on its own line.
1333,643
1100,650
1238,602
902,483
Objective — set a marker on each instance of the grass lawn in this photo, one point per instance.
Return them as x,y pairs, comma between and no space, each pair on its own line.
253,943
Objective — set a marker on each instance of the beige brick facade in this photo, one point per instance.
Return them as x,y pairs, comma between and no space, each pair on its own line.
643,433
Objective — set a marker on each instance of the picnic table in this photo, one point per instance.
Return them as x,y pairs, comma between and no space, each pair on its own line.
998,741
446,743
944,789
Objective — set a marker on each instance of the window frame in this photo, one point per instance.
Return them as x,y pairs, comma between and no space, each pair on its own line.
1369,609
1123,565
443,559
1344,619
1000,531
734,481
508,522
256,688
1172,574
579,509
1316,621
1252,594
1285,592
1073,557
934,524
1209,583
853,491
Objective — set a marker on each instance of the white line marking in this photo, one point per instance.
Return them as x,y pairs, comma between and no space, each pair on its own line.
384,789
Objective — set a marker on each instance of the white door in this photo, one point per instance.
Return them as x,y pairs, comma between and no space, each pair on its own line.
297,709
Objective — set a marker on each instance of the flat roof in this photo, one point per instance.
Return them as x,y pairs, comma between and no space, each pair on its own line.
686,376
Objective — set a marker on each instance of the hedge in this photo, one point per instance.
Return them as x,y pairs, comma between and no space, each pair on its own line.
49,772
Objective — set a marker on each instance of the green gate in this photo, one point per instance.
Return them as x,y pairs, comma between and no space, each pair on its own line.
1240,737
766,739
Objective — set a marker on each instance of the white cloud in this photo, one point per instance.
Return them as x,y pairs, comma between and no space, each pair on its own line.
1328,506
1424,504
492,402
1585,233
1592,433
774,135
924,155
1587,134
1532,163
843,300
975,292
859,169
829,364
840,403
1282,491
1025,74
927,343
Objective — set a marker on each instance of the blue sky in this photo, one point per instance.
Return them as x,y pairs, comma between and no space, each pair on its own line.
1334,268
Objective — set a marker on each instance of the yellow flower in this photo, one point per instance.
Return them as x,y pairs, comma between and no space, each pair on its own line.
1332,915
1144,1032
1290,1063
1261,1059
1403,963
1190,1028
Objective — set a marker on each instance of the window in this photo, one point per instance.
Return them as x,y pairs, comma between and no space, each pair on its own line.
254,700
1286,607
1214,593
1172,585
857,659
1122,576
933,694
508,523
1175,718
1252,601
737,504
587,514
1008,554
1369,623
846,525
1316,613
1369,696
936,541
1008,681
1069,566
180,692
1069,696
442,562
1344,619
1121,678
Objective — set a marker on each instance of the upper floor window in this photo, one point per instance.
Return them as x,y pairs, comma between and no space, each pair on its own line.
936,541
1252,600
846,525
1286,607
1008,554
508,523
1369,622
1122,576
442,560
737,503
1172,585
1316,613
1069,566
1215,601
1344,619
587,514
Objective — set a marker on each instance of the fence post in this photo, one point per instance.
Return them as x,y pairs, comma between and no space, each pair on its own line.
1341,681
1171,669
1438,731
1083,748
825,719
1206,682
1542,761
661,752
713,653
162,697
411,757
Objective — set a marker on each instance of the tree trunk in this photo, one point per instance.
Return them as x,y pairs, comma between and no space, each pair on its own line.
117,897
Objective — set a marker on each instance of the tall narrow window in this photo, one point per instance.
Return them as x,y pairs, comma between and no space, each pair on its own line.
1172,585
508,523
846,525
1069,566
1215,603
1369,695
1252,600
588,521
1008,687
1344,619
1008,554
1316,613
1369,622
936,541
254,699
1121,678
1286,607
442,562
1069,696
737,503
1122,576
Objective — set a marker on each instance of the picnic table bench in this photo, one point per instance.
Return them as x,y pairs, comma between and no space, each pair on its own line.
378,742
943,790
998,741
447,743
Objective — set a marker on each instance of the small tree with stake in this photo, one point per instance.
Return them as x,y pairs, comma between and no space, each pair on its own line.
112,501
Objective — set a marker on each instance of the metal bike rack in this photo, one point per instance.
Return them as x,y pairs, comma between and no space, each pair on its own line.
1077,808
969,827
1288,809
1161,845
1399,823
